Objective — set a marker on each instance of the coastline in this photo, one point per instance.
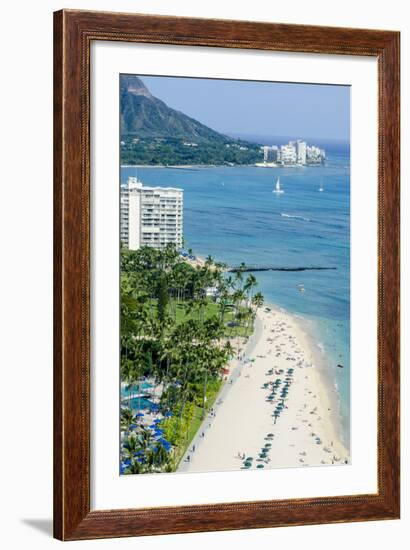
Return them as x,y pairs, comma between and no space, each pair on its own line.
322,360
196,166
179,166
307,432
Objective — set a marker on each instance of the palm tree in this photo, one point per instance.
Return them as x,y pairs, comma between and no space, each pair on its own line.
185,355
249,285
209,261
135,467
128,376
127,419
258,300
131,447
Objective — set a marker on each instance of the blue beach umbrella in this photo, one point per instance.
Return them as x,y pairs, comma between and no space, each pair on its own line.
168,414
166,444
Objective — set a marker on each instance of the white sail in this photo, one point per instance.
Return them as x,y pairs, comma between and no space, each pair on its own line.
277,187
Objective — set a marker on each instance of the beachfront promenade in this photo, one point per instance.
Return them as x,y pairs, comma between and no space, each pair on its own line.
242,422
237,367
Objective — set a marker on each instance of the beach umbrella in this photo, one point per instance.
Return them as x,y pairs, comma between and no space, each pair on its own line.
260,466
168,414
166,444
140,414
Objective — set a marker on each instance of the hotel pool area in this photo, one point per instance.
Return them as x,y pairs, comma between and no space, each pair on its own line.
142,403
127,390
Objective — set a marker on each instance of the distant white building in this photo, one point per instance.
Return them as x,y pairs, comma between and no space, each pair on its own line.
315,155
293,153
301,151
270,153
150,216
288,153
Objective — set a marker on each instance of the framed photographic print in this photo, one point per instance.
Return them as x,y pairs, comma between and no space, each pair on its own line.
226,336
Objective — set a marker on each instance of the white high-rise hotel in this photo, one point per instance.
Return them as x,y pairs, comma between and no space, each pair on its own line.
150,216
293,153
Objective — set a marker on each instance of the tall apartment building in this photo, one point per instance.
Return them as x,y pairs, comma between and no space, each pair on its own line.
315,155
301,151
150,216
288,153
270,153
293,153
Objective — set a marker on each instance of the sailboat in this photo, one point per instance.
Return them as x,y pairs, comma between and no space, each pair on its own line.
277,189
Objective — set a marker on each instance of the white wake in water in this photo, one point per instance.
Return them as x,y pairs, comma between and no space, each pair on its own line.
295,217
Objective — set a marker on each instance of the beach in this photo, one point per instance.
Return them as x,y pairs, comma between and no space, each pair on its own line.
278,370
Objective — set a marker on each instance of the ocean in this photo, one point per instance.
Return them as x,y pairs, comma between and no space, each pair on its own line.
232,214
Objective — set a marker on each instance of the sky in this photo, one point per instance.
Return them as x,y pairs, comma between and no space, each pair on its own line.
259,108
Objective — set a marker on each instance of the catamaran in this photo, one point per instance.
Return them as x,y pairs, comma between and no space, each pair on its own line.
277,189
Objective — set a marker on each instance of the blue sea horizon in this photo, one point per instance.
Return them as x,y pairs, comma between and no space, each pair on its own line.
231,214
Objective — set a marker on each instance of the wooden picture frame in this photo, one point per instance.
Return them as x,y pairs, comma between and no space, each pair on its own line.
74,32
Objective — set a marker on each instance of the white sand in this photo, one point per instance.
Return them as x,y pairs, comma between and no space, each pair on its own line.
243,417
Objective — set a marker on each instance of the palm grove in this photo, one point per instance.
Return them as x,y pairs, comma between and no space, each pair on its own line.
176,343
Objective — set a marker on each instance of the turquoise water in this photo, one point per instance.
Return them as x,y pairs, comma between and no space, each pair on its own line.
140,404
126,391
232,214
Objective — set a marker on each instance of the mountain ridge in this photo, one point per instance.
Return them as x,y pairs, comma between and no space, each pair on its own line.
147,116
154,134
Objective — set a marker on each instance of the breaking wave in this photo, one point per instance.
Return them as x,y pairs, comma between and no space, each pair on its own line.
295,217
